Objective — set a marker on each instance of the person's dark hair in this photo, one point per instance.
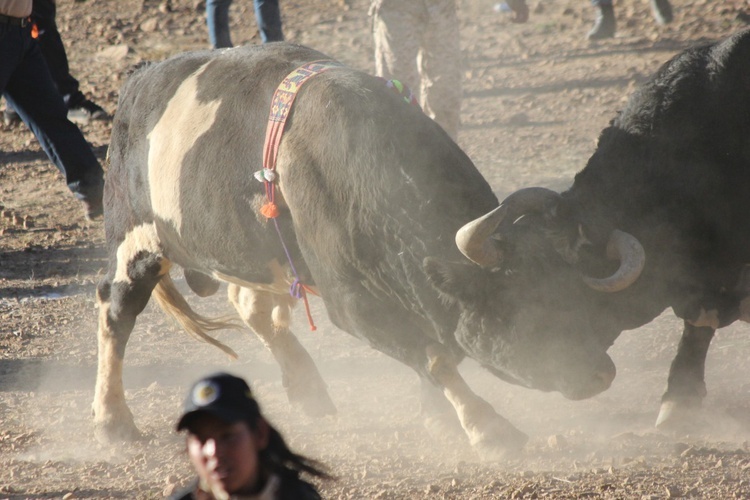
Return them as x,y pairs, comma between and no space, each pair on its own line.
279,459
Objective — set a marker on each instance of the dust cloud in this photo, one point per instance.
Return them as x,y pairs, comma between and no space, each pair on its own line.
377,437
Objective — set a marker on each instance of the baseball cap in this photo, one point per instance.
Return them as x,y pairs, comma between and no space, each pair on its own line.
222,395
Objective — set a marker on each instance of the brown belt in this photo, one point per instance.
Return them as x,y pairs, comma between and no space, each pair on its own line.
15,21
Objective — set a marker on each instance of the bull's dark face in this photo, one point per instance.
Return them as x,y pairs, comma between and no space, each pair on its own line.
526,312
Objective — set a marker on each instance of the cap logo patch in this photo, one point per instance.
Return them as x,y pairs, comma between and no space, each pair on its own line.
205,393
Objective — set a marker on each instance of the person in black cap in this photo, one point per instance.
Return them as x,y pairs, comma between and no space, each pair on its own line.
235,451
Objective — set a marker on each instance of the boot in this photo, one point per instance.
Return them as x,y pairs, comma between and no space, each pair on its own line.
604,27
662,11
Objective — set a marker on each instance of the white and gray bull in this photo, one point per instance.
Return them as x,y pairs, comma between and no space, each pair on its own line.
371,195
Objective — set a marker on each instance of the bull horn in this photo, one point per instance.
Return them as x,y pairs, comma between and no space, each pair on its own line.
473,239
629,251
532,199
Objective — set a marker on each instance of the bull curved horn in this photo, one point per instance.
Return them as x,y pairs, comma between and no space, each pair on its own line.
532,199
629,251
473,239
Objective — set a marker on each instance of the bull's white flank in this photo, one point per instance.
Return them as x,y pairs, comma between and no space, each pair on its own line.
184,120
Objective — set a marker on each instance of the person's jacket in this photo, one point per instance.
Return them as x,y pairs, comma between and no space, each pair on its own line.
289,487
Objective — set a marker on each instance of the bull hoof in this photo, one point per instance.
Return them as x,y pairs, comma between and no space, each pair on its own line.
679,417
116,428
116,432
508,444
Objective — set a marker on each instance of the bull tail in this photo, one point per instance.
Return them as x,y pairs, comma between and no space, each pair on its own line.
174,304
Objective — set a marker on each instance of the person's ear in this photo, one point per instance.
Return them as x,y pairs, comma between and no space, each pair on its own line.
262,434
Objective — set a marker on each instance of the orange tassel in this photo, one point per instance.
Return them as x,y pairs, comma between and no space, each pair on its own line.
307,310
34,31
270,210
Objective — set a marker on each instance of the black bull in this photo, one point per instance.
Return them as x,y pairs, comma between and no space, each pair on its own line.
671,179
374,197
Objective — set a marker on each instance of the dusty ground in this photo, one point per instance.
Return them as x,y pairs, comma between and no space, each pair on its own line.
535,98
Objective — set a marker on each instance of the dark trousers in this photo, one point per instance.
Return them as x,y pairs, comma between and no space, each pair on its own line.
27,85
44,13
268,15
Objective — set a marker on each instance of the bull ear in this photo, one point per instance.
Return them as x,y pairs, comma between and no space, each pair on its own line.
456,282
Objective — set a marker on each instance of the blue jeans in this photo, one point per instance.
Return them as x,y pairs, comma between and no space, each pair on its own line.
267,14
27,85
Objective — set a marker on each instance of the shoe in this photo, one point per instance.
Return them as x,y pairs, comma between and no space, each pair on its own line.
86,111
90,197
93,209
10,117
662,11
520,10
604,27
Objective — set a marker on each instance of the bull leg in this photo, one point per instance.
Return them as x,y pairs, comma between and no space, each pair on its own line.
440,418
267,314
489,433
686,387
121,296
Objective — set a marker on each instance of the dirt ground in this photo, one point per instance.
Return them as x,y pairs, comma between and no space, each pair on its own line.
535,98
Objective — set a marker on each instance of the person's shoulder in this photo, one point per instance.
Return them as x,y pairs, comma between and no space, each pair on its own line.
294,488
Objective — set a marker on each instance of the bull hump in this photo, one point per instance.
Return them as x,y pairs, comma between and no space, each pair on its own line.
183,122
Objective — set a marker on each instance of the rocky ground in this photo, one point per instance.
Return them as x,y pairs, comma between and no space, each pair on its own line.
535,98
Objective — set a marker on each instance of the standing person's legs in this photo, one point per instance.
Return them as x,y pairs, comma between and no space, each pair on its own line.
397,33
440,66
11,50
217,18
604,26
662,11
268,16
80,109
31,91
54,51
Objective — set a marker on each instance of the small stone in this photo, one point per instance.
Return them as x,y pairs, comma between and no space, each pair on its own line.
150,25
115,52
672,491
688,452
168,490
165,7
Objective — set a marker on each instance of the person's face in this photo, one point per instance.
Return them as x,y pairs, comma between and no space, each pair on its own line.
225,456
